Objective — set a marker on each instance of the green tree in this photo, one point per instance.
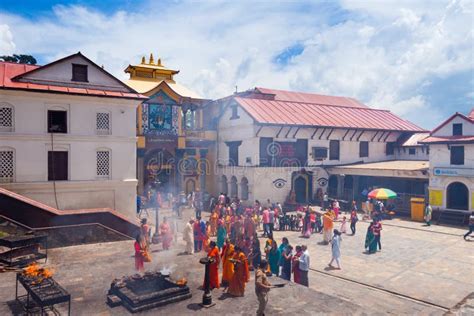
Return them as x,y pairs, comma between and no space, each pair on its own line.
20,59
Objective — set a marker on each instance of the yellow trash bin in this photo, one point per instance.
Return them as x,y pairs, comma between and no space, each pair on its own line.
417,209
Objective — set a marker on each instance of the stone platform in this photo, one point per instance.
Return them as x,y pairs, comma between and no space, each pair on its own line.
435,267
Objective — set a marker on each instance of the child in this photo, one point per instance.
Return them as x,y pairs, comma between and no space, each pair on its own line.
343,225
336,250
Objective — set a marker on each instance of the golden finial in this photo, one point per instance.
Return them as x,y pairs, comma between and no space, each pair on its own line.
152,61
143,60
159,62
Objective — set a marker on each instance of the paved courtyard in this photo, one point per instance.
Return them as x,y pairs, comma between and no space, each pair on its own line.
432,264
419,271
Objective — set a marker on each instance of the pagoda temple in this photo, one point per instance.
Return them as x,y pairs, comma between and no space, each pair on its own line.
175,141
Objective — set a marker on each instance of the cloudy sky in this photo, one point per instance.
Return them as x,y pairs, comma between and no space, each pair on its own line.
412,57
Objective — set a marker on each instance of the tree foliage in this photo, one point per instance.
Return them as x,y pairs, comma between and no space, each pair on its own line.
19,59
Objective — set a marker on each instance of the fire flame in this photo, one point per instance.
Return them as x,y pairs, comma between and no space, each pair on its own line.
182,281
37,273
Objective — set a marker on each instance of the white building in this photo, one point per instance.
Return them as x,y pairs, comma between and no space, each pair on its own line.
452,163
67,135
290,146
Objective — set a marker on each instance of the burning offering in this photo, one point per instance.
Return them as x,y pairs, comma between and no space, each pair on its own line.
142,292
42,291
35,274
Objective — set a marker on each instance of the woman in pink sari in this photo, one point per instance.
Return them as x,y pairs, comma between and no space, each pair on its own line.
166,234
296,266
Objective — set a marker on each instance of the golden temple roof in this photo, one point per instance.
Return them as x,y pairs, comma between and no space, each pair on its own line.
145,77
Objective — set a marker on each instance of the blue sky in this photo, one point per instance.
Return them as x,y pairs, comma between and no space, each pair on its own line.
412,57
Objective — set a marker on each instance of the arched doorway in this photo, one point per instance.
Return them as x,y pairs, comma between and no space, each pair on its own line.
348,193
301,189
224,184
457,196
244,189
233,187
332,186
190,186
159,170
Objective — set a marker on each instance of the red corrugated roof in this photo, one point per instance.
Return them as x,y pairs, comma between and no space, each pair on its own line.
338,115
304,97
447,139
11,70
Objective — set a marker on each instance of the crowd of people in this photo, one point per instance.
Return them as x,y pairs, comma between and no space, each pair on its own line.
231,238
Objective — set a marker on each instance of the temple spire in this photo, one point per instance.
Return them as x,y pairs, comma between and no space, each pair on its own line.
143,60
152,60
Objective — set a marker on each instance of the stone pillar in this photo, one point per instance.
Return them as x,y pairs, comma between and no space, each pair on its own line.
340,186
140,170
179,180
202,169
355,187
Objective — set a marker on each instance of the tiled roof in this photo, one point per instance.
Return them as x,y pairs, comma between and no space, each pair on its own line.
146,86
448,139
304,97
337,115
10,70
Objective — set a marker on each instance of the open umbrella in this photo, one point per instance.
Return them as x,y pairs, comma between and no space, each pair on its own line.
382,194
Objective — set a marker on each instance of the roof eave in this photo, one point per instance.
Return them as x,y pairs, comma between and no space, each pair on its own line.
338,127
141,97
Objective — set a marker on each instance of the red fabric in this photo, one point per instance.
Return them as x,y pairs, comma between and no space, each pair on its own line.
214,268
376,228
197,231
139,266
296,269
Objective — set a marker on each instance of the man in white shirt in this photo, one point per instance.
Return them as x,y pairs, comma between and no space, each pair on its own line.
304,266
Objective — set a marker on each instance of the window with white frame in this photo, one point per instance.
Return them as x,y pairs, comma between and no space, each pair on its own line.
7,165
102,123
103,164
6,117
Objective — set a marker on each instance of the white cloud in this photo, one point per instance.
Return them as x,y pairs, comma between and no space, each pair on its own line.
381,53
7,46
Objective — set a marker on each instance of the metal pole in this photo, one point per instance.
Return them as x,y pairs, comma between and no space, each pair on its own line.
207,297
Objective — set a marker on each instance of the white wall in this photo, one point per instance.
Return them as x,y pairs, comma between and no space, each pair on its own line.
244,129
403,153
62,72
447,130
31,143
440,158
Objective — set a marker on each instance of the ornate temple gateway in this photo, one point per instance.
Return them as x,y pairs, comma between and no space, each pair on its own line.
172,143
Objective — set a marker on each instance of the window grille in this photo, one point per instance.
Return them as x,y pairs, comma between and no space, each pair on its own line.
103,164
6,119
103,123
7,166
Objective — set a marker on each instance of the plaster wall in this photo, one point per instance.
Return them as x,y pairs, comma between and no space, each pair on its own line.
447,130
440,158
30,142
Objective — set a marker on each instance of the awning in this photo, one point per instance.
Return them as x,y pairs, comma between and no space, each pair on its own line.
394,168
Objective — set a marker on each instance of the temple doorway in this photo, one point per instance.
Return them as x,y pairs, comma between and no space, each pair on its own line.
457,196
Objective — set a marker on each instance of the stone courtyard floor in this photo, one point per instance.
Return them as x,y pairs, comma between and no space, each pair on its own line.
420,270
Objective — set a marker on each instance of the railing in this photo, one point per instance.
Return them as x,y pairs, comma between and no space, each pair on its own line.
38,216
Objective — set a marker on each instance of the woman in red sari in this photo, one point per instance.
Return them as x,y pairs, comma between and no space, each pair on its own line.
166,234
214,266
241,273
296,265
139,260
